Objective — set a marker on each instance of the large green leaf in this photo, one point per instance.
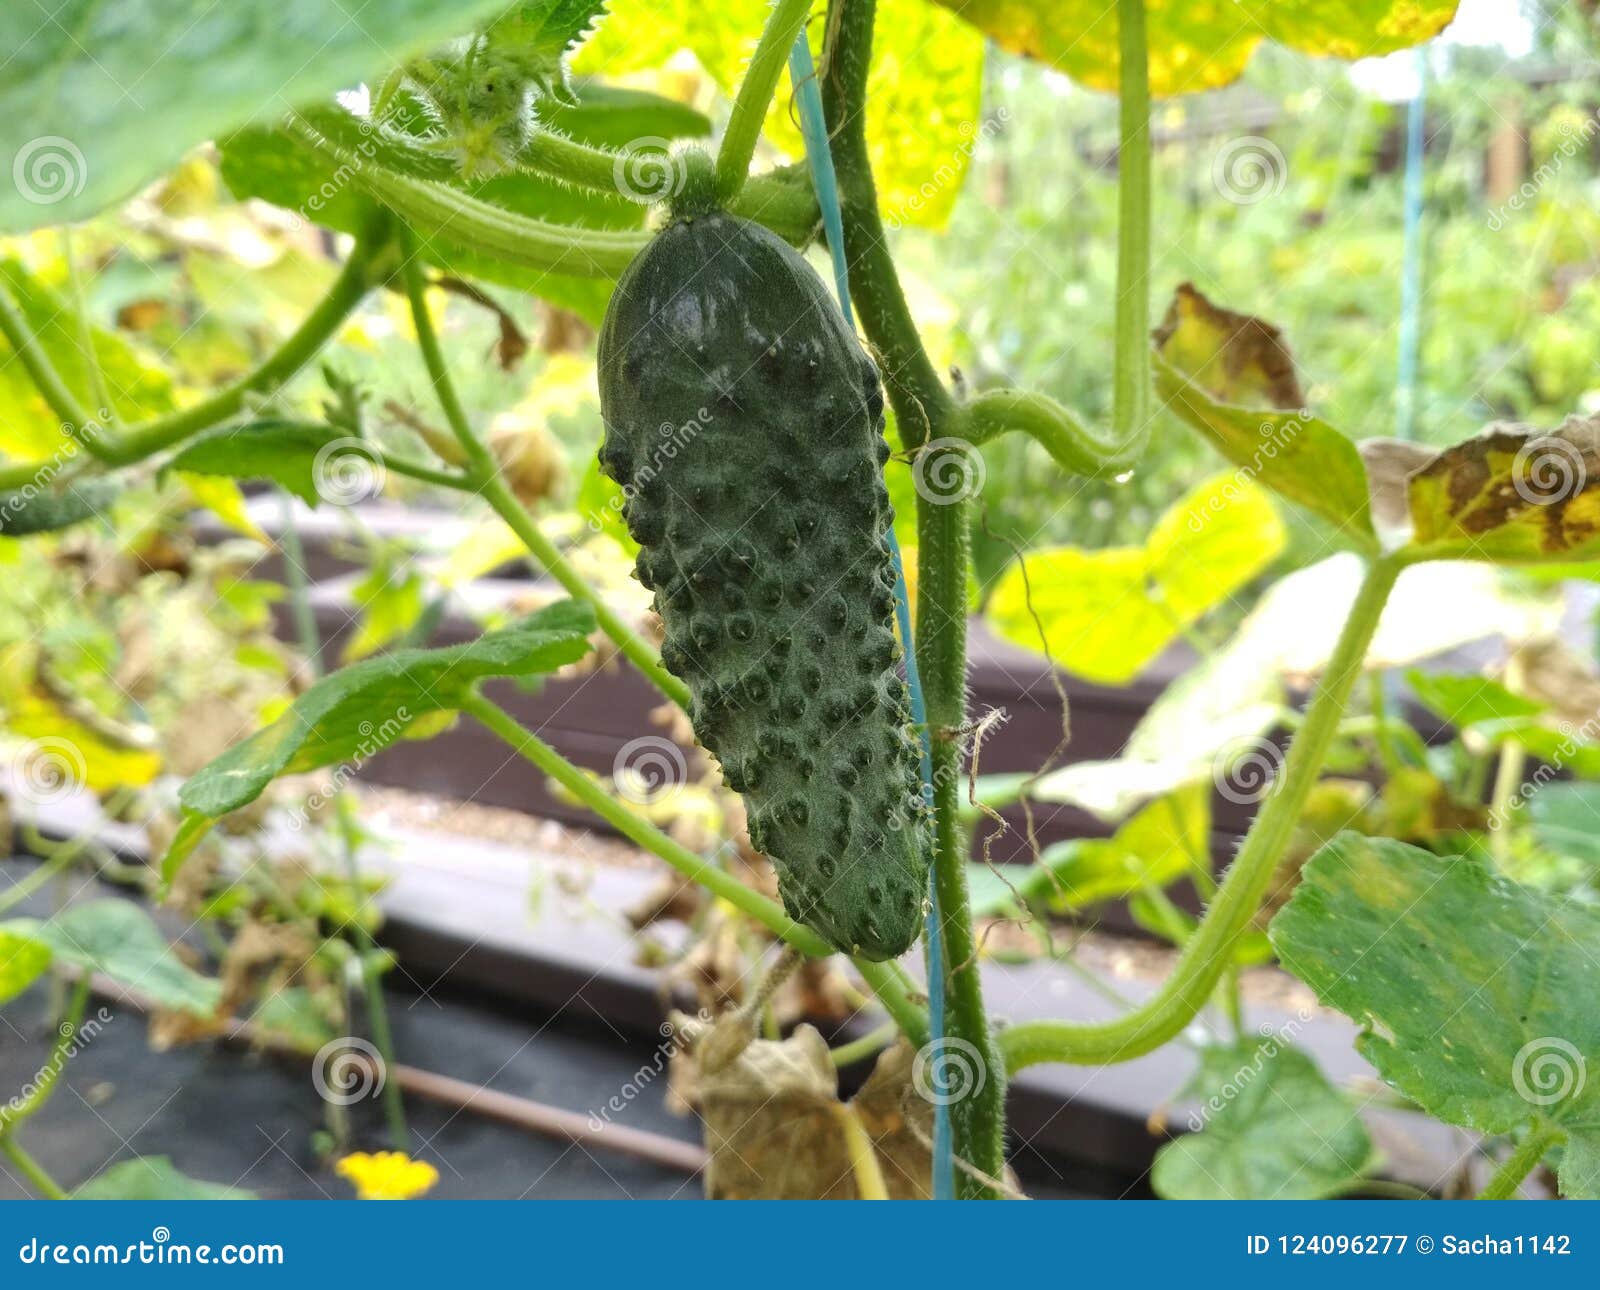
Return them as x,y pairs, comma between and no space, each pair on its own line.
153,1178
292,454
1476,994
1565,819
99,98
1201,44
1230,376
925,86
1465,701
1273,1128
118,938
356,712
1106,614
23,960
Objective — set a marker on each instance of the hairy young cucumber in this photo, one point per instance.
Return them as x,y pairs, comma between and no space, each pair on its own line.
745,425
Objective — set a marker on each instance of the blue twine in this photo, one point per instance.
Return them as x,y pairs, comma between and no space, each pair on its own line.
814,130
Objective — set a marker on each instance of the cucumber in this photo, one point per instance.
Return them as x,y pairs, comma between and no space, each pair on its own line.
744,423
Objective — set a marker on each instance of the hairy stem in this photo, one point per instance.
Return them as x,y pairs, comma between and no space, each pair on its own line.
484,478
1508,1179
923,409
44,1083
1130,380
755,95
882,978
1209,950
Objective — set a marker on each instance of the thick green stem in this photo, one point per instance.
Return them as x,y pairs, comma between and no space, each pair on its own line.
484,477
755,95
923,408
371,260
882,978
1508,1179
1078,449
1209,951
32,1170
1130,393
44,1083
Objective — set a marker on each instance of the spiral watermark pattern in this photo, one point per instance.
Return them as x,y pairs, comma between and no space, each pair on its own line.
1249,169
1245,769
648,769
1548,1070
348,471
1548,470
49,169
348,1070
49,769
647,170
948,1070
948,471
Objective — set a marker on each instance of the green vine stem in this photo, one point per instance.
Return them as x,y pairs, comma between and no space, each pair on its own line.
755,95
483,476
371,260
31,1169
44,1083
883,978
1508,1179
1209,951
1077,448
1130,379
76,424
923,409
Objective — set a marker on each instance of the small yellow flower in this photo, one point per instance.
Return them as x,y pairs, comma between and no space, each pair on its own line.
387,1175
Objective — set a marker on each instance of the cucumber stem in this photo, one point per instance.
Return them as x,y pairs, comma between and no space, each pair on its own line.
1209,950
755,95
1508,1179
923,409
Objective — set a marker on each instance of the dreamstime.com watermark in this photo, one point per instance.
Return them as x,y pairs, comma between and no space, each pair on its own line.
648,770
77,1039
160,1250
948,471
1550,767
1273,1041
1249,169
675,1038
1577,137
1548,1070
671,440
1275,437
374,739
49,169
950,171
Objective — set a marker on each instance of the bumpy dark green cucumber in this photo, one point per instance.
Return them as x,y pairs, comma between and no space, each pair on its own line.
745,425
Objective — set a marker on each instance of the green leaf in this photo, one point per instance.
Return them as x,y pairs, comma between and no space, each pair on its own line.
23,960
153,1178
534,39
1273,1129
292,1016
1200,46
98,99
391,600
1565,819
118,938
1465,701
925,85
1511,496
1231,377
1107,614
286,452
356,712
1476,994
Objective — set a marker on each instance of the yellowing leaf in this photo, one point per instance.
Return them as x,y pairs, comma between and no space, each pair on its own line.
1106,614
1512,495
925,85
1230,376
61,751
1200,44
221,496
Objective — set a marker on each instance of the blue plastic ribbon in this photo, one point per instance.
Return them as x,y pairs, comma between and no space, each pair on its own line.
814,130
